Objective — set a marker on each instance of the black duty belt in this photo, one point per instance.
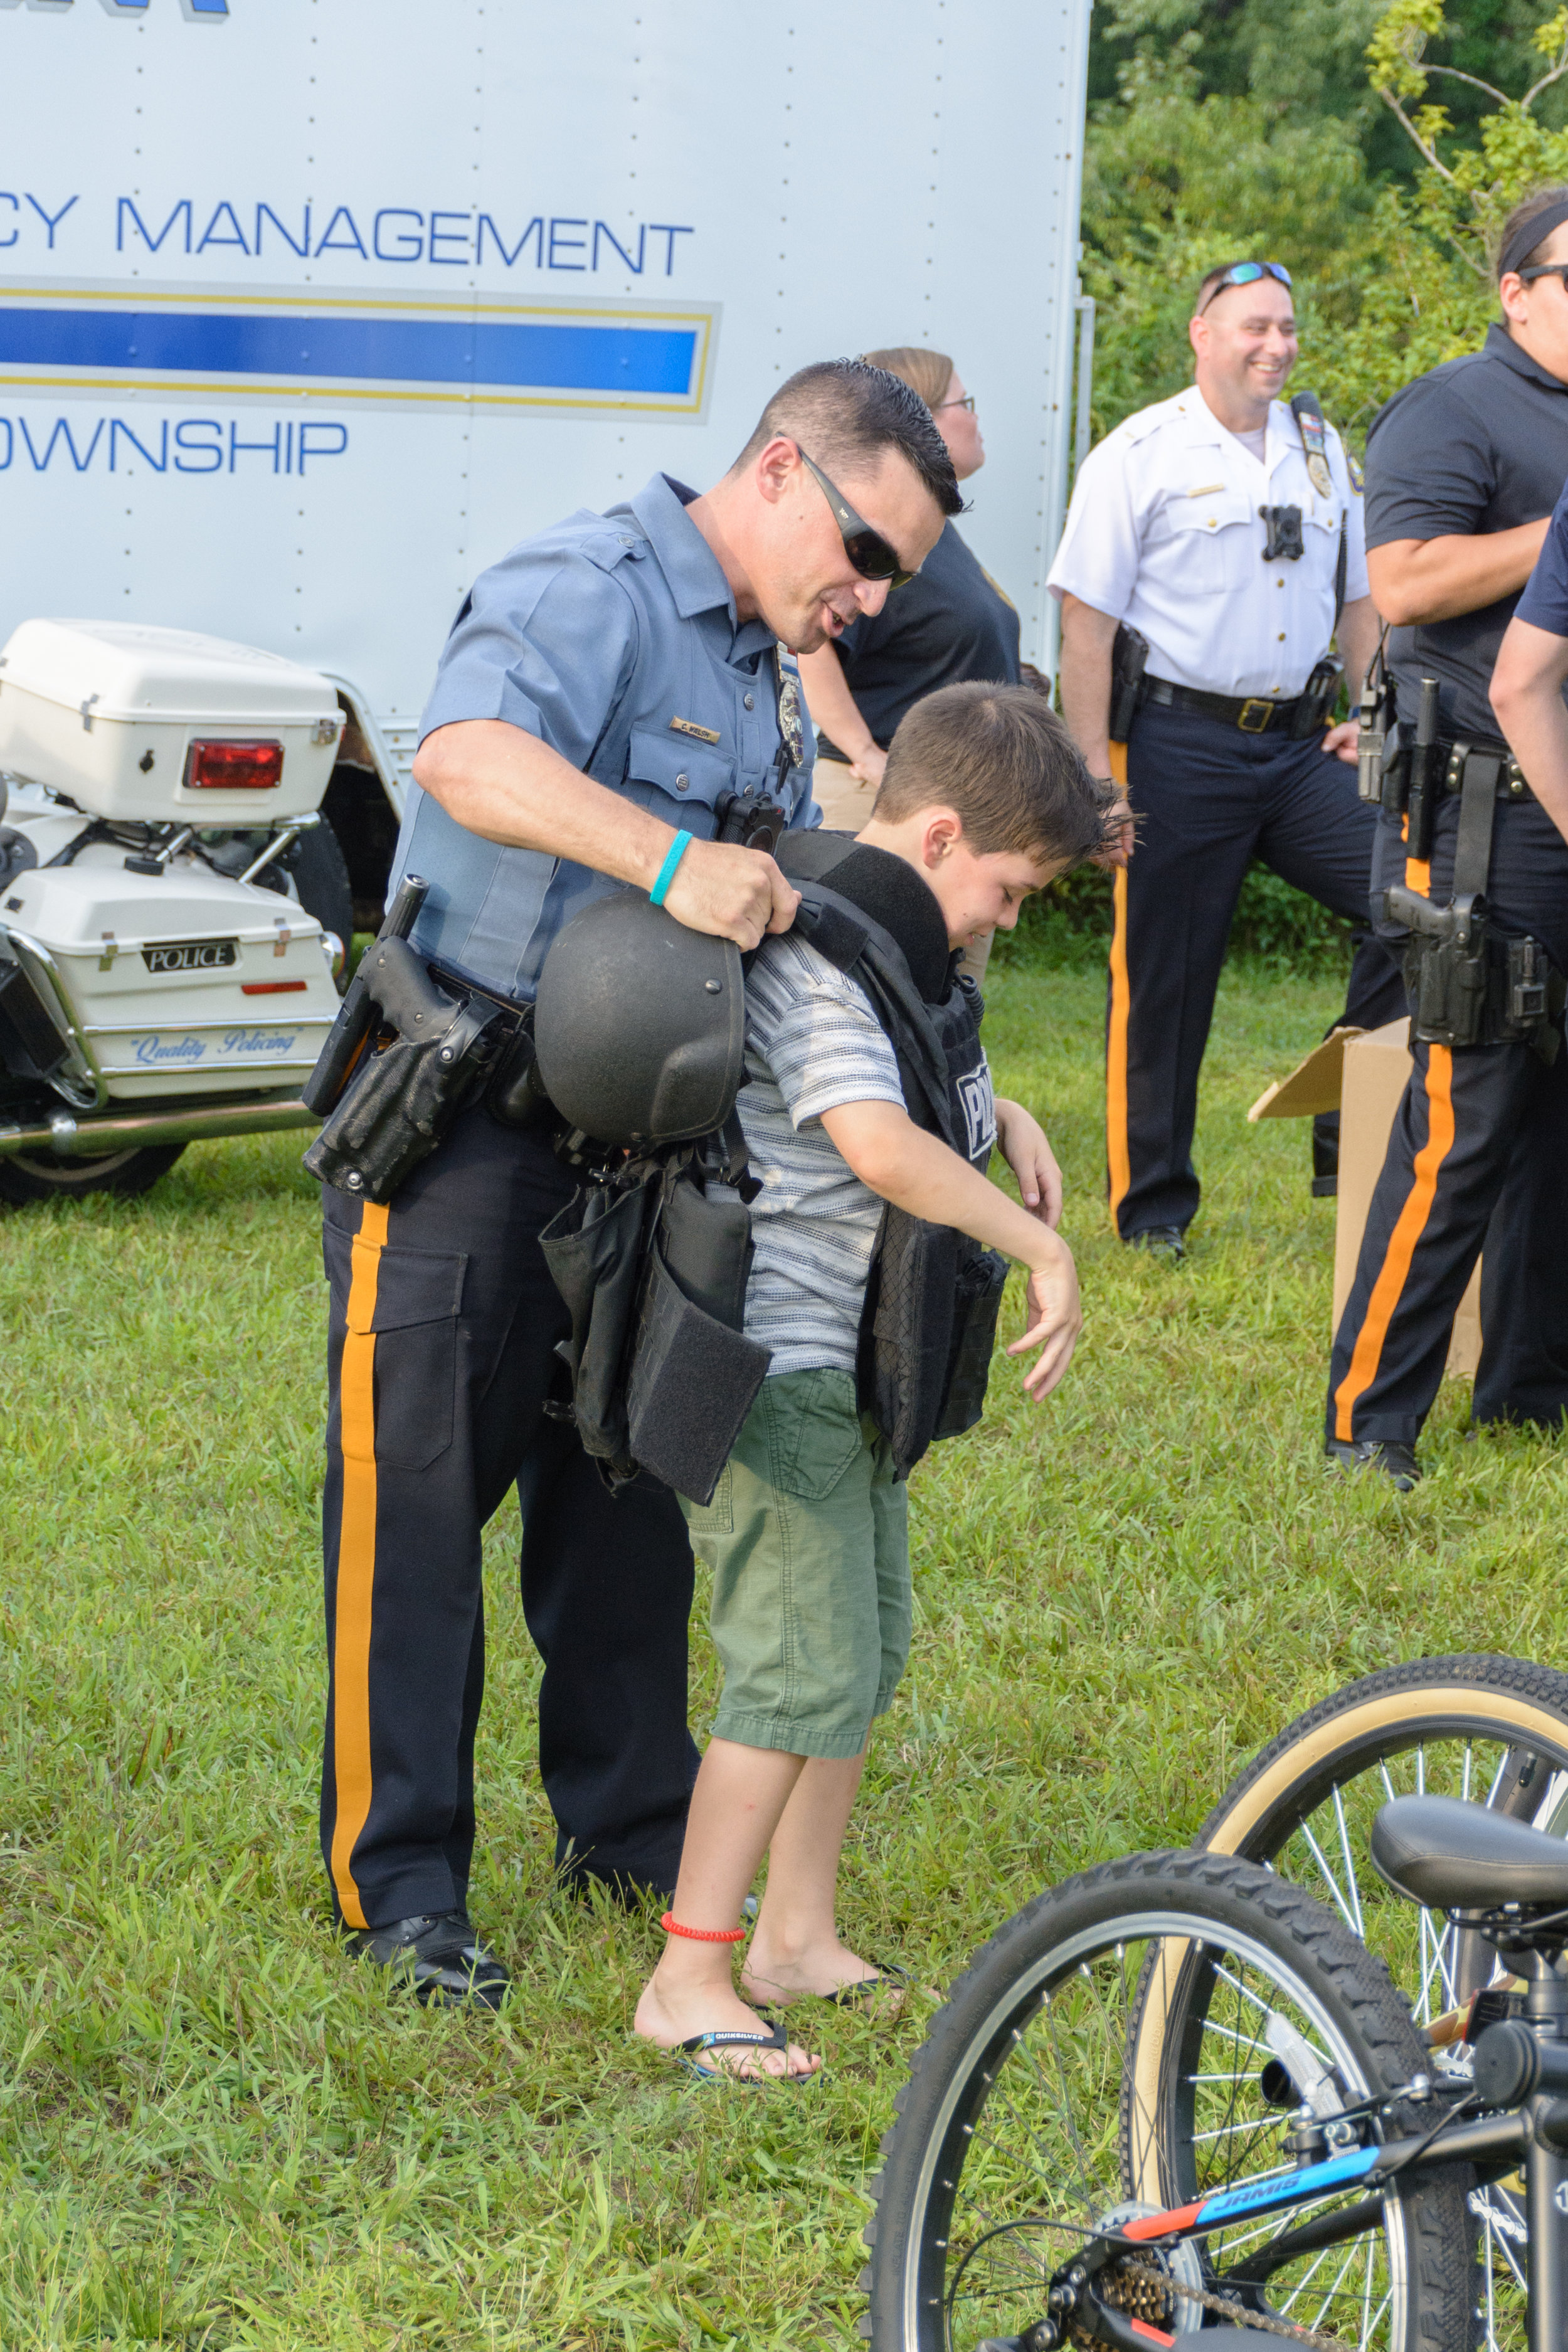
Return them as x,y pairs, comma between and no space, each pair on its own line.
1455,758
518,1015
1255,714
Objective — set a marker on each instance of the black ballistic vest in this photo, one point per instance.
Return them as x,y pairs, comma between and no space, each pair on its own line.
653,1263
929,1327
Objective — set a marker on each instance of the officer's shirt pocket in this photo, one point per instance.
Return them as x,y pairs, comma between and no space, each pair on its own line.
678,778
1320,537
1213,542
409,1300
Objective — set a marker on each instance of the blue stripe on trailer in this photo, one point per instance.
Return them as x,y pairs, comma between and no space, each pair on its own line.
541,356
1287,2188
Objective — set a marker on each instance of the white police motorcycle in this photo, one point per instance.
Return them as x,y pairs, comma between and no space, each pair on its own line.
174,912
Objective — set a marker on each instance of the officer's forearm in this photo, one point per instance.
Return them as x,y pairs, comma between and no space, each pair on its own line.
1417,580
1527,696
1358,634
833,708
916,1172
1088,636
506,785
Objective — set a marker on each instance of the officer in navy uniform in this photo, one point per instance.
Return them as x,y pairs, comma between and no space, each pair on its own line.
1223,527
1464,467
606,685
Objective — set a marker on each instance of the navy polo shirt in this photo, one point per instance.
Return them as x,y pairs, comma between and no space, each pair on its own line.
1477,445
597,636
1545,601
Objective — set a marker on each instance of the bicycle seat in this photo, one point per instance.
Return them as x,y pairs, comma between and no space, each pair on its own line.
1459,1857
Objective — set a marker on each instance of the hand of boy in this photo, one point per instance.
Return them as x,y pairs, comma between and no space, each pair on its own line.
1021,1140
1057,1319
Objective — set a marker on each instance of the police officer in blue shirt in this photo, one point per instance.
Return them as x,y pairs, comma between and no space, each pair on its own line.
605,684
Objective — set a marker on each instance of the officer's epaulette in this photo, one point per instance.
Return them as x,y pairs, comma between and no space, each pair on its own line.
609,547
1138,427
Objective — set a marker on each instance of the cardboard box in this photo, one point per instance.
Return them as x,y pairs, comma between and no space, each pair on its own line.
1364,1073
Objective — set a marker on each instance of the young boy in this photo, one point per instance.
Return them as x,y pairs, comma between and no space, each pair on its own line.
987,799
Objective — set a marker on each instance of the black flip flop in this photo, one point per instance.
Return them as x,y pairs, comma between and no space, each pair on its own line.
863,1994
777,2040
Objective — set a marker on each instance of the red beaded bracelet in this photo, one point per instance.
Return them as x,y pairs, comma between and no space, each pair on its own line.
672,1927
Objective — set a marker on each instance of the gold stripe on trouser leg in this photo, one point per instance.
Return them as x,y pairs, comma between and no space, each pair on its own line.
1118,1156
1394,1270
356,1564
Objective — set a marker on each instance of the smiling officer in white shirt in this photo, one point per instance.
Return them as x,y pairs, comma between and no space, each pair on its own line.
1225,528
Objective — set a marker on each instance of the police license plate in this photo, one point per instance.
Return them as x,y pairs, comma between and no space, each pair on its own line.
191,955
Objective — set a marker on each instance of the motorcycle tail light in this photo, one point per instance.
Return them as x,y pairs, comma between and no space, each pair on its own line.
227,767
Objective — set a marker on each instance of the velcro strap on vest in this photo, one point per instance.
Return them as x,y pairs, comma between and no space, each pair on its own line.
825,925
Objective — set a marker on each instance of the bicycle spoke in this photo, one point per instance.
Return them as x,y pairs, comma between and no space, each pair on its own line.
1350,1865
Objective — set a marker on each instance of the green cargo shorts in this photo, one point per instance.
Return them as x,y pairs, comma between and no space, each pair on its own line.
808,1536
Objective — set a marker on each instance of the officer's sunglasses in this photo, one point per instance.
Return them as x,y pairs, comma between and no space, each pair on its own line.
1546,269
1245,273
867,551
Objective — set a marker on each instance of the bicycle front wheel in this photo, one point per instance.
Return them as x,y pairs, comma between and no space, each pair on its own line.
1132,2040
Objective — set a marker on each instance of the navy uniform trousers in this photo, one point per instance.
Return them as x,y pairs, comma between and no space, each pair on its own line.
1476,1156
444,1324
1209,799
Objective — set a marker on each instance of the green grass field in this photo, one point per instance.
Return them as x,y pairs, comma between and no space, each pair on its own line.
214,2132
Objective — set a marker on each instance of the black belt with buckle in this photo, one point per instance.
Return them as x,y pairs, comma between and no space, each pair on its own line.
1253,713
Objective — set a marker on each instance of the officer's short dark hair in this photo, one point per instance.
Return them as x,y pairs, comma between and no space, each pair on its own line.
1004,763
1542,200
846,413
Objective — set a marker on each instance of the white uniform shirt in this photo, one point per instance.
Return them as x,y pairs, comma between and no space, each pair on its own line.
1164,533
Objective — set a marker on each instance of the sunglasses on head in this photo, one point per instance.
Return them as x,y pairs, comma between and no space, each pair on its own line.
1245,273
867,551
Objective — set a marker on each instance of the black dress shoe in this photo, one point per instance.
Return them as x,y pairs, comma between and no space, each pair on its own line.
1396,1462
1168,1242
438,1958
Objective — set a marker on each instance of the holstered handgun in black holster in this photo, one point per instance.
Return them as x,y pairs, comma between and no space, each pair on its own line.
1315,706
1471,984
403,1058
1128,659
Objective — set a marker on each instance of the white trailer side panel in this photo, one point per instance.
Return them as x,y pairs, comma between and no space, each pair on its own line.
309,309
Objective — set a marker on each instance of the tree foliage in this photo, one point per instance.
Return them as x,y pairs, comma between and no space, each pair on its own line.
1373,148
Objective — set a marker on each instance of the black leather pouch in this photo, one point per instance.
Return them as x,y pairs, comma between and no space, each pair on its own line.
693,1381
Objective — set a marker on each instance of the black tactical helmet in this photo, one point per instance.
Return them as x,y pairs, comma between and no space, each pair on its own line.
639,1024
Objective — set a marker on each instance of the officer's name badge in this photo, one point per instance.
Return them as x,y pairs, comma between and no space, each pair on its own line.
689,727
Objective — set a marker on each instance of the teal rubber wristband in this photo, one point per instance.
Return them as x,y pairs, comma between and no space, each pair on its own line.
677,851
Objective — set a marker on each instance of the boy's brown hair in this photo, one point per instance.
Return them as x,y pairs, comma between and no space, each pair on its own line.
1004,763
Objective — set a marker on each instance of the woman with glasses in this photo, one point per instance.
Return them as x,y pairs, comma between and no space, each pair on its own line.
950,624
